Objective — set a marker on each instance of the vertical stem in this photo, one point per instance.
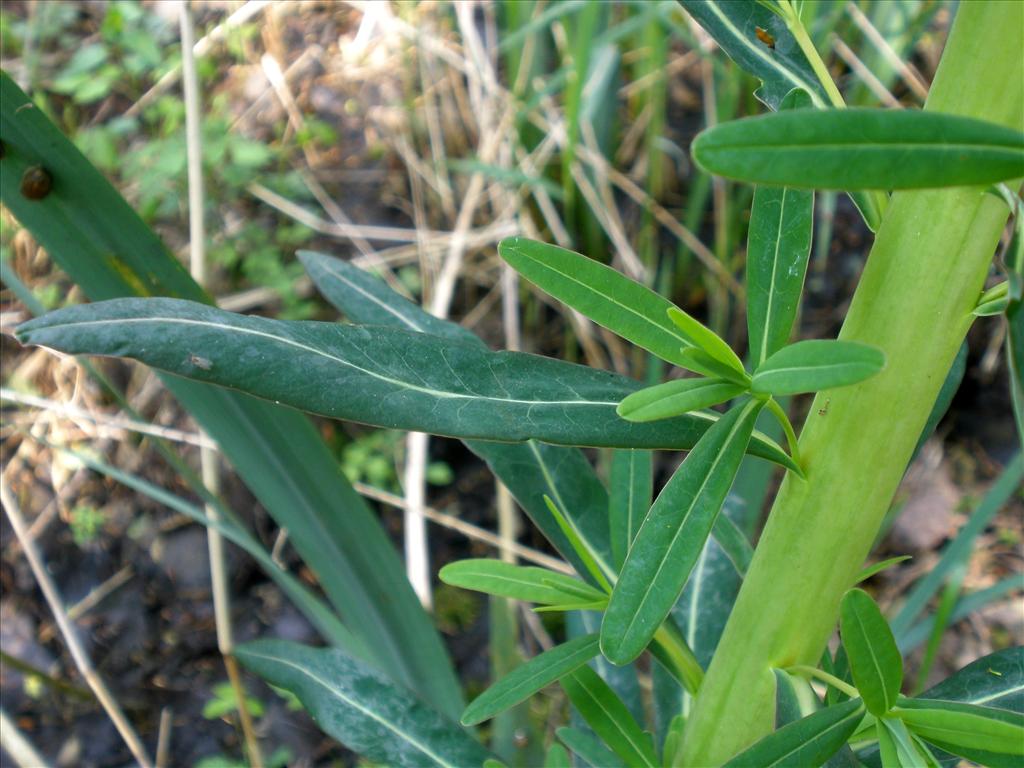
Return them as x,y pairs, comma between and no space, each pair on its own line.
207,456
914,301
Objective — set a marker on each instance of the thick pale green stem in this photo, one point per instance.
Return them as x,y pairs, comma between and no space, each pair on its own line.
914,301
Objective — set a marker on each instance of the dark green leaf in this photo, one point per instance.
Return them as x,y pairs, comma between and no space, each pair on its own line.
589,747
529,470
518,582
875,660
631,486
93,234
778,245
673,535
384,376
996,680
812,366
531,677
794,698
734,24
361,707
851,149
809,741
674,398
605,713
603,294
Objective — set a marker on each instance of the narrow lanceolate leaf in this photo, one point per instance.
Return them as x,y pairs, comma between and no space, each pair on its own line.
996,680
629,498
811,366
533,585
382,376
557,757
778,245
874,658
529,470
704,338
605,713
861,149
606,296
673,535
794,698
674,398
774,57
362,708
963,728
524,681
809,741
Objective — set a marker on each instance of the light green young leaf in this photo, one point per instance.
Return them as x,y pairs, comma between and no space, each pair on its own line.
778,245
606,296
629,498
362,707
518,582
868,571
673,398
852,149
593,605
809,741
599,572
383,376
875,660
557,757
963,728
703,337
605,713
524,681
673,535
699,361
994,301
815,365
897,745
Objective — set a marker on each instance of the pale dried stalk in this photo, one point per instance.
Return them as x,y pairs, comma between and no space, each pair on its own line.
910,76
68,631
207,455
860,69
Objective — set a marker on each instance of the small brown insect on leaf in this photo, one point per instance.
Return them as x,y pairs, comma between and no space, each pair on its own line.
764,37
823,411
36,182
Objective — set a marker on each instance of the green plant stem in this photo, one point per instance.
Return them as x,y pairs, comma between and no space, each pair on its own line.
780,414
835,682
914,301
796,26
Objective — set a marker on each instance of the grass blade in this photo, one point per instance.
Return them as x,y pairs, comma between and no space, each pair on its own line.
524,681
362,708
673,535
853,149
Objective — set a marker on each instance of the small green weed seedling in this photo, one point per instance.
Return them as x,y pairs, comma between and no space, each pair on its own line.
737,634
